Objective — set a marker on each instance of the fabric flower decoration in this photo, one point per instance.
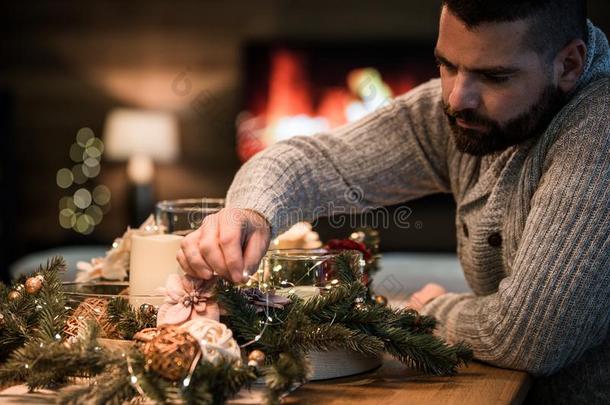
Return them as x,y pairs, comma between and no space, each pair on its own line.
263,300
187,298
215,340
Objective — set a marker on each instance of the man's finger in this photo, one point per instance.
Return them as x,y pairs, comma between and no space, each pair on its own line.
256,247
231,247
184,263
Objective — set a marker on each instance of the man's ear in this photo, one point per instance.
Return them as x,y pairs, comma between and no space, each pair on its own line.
569,64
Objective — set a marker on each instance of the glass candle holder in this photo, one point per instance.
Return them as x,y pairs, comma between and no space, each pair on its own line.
76,293
182,217
280,269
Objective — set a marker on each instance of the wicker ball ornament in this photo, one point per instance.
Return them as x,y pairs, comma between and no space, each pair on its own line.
33,284
91,309
171,352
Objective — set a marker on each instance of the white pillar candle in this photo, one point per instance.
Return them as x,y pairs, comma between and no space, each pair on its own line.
152,259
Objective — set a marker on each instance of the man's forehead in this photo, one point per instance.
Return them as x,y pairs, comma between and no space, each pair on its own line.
486,45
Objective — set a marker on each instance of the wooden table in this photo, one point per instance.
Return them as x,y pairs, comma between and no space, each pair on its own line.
394,384
391,384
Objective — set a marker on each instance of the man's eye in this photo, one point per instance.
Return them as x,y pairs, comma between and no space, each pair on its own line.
445,66
496,78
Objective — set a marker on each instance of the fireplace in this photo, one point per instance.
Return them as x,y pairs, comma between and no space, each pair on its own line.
305,88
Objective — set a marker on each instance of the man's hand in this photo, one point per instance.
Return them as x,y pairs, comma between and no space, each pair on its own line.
230,243
425,295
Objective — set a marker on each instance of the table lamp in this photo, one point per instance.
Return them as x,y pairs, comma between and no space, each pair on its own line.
141,138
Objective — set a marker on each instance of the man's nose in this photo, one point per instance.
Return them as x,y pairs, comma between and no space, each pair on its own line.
464,94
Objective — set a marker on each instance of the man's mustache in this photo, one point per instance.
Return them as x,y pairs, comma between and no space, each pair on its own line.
468,116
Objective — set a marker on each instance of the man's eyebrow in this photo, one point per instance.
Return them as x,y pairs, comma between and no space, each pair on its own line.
492,70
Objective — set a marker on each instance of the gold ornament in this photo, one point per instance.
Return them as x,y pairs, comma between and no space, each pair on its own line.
256,358
91,309
381,300
14,295
171,352
148,310
33,284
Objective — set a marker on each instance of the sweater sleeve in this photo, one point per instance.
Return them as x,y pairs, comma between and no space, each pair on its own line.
555,302
393,155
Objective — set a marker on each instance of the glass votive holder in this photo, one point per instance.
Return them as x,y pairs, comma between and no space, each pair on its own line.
288,268
76,293
182,217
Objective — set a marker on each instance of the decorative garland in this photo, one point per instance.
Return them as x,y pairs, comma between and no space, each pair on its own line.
200,361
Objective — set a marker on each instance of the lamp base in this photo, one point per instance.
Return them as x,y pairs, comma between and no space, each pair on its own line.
141,203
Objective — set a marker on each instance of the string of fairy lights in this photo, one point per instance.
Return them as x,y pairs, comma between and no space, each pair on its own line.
85,205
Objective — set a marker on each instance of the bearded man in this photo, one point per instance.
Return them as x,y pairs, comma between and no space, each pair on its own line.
517,129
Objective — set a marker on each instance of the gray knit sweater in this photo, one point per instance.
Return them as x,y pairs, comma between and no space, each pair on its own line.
533,222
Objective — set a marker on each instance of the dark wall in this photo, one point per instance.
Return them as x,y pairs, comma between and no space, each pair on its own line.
65,64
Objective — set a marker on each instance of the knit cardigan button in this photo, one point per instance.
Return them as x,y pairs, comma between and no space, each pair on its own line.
495,239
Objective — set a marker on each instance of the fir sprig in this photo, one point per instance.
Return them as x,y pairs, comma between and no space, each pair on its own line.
41,315
127,319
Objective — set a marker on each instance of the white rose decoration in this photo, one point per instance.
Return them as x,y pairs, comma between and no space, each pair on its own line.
215,339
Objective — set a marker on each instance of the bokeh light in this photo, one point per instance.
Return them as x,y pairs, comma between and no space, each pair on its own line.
95,213
64,178
91,167
84,224
67,202
79,175
76,153
101,195
83,136
82,198
67,218
78,211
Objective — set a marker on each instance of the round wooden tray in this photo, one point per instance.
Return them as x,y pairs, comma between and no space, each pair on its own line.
341,363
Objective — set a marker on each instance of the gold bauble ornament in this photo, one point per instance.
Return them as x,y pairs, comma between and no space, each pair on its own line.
381,300
91,309
171,352
148,310
33,284
14,295
256,358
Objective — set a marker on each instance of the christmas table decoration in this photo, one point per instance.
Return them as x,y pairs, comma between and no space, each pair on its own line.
209,339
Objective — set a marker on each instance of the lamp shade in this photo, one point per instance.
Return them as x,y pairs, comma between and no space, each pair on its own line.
130,132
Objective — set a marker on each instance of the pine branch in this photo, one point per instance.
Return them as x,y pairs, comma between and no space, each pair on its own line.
247,324
325,337
39,315
112,388
424,352
281,376
128,320
43,364
215,384
51,301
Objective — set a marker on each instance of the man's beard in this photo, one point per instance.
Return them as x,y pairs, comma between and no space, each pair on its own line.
499,137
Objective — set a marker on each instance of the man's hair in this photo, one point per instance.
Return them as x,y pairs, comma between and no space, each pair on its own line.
553,23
